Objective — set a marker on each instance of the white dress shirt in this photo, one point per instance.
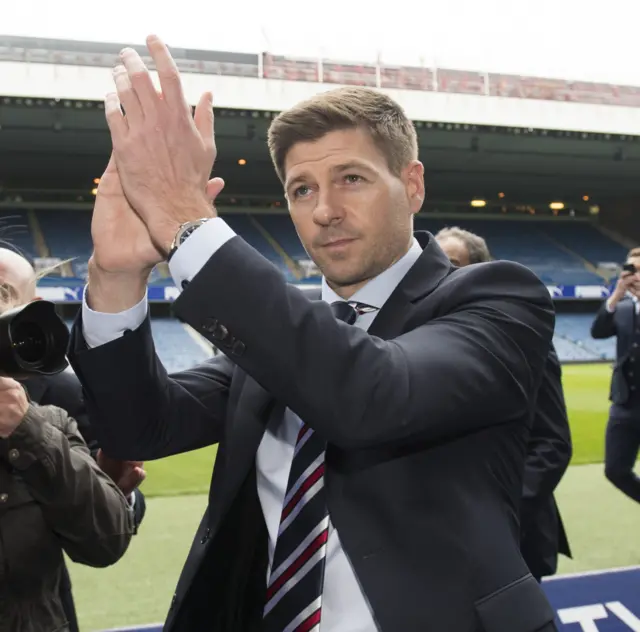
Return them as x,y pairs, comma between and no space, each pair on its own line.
344,605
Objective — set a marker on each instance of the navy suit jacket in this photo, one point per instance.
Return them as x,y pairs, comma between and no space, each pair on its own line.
620,323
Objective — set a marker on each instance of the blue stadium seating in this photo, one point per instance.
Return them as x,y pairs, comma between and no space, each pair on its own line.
574,330
176,348
14,229
586,241
556,250
529,243
68,234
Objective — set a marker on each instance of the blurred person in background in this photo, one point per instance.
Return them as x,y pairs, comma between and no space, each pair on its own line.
18,281
619,317
549,447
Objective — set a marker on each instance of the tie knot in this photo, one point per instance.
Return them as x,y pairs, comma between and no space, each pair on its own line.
349,311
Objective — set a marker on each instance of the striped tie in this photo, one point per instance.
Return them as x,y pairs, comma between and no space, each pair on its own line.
294,591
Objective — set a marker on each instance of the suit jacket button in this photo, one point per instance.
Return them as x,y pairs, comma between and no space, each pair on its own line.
221,332
238,348
4,498
14,455
209,325
206,536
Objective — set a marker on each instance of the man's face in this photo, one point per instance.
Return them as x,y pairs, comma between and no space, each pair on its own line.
455,249
353,216
635,288
17,284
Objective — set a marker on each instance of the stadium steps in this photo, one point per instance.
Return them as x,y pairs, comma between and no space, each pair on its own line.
40,243
42,250
617,237
587,264
294,268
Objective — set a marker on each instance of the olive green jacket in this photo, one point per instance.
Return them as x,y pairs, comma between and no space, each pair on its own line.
53,498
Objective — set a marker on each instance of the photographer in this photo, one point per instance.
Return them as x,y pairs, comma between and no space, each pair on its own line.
53,498
618,317
18,287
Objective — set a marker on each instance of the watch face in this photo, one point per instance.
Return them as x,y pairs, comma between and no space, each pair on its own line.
187,232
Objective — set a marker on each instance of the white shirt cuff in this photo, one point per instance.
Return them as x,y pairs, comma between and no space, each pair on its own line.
198,248
608,307
99,328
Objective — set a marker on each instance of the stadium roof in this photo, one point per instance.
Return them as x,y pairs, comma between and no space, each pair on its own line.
65,145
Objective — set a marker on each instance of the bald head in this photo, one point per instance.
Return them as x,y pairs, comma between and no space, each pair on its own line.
17,279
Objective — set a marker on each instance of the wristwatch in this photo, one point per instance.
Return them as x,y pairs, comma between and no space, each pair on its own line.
184,232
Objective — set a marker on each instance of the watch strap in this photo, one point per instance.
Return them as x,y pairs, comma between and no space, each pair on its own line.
183,234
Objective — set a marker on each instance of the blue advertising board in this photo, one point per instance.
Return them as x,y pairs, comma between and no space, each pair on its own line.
168,293
600,601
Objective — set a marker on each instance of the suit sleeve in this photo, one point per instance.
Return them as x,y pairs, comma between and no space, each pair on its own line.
65,391
603,325
477,364
549,448
138,411
82,505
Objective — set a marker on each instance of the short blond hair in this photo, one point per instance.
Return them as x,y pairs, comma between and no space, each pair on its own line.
391,130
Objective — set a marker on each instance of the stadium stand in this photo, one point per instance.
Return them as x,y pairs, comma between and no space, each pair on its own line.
560,252
538,245
376,74
177,349
574,342
15,229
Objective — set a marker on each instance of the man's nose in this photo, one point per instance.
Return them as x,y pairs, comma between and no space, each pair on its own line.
328,210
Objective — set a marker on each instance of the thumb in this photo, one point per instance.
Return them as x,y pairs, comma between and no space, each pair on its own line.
214,188
203,118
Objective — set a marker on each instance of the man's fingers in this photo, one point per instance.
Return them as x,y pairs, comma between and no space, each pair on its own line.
115,119
127,96
8,384
214,188
203,119
140,80
170,80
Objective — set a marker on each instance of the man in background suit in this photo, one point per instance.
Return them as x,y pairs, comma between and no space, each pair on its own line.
618,317
371,444
543,535
18,282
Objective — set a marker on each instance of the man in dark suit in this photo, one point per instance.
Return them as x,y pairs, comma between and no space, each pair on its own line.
543,535
618,317
17,287
369,471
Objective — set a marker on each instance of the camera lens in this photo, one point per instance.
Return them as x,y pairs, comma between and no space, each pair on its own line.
29,342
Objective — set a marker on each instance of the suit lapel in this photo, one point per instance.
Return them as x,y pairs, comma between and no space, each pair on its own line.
256,407
423,277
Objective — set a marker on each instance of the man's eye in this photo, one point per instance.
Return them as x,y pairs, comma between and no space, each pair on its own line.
352,178
301,191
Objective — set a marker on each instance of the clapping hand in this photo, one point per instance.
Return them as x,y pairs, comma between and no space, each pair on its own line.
13,406
163,154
